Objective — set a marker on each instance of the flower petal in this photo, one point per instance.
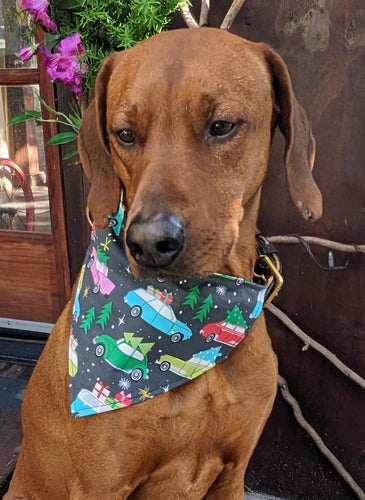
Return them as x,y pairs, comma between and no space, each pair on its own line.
26,53
71,45
35,5
43,18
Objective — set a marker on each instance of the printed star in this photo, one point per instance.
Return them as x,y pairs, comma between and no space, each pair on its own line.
121,320
166,388
144,394
86,291
106,243
128,270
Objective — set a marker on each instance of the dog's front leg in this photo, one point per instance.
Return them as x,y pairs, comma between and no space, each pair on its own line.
229,484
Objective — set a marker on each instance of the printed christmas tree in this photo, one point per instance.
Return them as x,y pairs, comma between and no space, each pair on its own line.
210,354
192,297
102,256
105,314
88,319
204,309
235,317
137,343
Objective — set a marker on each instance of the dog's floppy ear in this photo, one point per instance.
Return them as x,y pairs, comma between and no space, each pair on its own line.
300,143
105,188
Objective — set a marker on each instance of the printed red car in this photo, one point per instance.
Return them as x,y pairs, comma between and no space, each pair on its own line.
223,332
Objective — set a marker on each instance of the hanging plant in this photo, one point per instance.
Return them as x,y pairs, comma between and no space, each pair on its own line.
79,35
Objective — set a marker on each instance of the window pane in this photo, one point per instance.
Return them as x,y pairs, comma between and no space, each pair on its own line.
24,204
13,35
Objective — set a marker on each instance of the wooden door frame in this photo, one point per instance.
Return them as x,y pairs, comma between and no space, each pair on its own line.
54,244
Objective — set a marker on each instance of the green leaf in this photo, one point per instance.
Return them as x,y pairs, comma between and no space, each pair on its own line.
51,40
70,154
34,113
23,118
75,121
48,108
62,138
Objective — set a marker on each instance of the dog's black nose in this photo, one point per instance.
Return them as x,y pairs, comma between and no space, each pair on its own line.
155,242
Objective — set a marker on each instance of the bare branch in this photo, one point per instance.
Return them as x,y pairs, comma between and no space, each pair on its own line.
283,385
342,247
188,16
308,341
232,14
204,11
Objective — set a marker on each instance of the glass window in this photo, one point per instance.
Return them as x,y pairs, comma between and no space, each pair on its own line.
24,204
13,35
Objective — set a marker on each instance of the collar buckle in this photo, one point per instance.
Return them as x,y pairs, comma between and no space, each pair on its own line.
268,268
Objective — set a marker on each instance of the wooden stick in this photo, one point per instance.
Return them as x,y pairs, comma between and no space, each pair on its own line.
232,14
308,341
204,11
284,389
334,245
188,16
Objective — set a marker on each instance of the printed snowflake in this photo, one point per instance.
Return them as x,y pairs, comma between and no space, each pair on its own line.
221,290
122,320
124,383
166,388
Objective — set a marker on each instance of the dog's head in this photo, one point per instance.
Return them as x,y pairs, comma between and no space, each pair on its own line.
183,124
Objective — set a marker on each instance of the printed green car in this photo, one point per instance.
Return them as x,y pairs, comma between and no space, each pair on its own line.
122,356
190,368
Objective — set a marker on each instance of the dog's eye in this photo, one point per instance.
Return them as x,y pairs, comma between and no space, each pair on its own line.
126,136
221,128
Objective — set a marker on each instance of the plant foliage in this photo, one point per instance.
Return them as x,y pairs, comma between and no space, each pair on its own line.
104,26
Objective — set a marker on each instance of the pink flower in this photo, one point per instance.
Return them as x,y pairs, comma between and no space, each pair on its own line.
38,10
27,52
35,5
71,45
65,65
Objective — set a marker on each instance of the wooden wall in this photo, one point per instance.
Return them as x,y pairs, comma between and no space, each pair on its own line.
323,44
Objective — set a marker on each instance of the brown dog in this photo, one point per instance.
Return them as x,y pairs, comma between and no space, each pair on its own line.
182,123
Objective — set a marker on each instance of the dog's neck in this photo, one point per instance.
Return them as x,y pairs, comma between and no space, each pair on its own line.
242,258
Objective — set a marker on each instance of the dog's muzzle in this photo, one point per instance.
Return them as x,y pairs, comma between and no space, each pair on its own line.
156,242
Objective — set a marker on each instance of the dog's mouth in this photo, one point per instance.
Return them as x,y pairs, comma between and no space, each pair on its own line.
174,275
185,266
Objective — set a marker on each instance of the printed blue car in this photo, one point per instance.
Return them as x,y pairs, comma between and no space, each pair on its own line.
157,314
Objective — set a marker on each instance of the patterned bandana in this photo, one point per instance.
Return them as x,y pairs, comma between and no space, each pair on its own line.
131,340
